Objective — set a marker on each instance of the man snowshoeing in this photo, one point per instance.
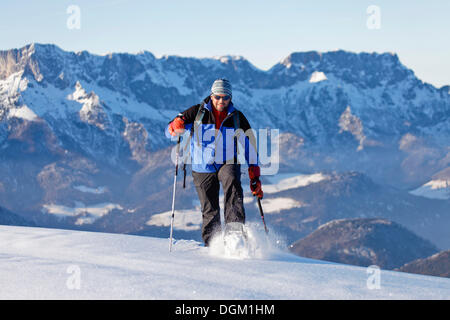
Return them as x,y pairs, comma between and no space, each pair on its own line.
216,128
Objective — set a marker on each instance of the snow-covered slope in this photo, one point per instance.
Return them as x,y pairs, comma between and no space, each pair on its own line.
37,263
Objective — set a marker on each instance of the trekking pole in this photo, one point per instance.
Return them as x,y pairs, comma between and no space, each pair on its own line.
262,215
173,195
184,175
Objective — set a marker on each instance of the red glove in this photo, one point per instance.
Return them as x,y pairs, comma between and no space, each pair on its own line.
176,127
255,183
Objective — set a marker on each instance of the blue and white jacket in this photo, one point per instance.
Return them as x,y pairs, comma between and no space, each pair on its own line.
208,149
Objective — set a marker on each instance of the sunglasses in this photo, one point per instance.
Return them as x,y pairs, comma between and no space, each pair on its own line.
225,98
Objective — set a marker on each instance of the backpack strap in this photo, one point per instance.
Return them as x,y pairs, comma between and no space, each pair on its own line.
197,123
236,121
198,120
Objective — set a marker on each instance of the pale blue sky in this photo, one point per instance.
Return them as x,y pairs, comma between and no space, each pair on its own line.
264,32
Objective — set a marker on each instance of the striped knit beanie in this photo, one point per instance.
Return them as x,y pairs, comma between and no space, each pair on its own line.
221,86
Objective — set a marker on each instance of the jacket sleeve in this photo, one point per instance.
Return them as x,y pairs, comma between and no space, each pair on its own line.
188,116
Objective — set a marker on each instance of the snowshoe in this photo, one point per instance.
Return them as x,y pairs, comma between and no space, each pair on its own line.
235,238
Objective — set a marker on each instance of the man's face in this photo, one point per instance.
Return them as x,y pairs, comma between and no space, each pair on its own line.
220,101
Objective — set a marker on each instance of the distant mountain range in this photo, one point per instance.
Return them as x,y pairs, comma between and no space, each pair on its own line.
368,104
82,143
364,242
355,195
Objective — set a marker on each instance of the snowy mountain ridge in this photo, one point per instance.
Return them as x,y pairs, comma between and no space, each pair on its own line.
334,100
142,86
57,264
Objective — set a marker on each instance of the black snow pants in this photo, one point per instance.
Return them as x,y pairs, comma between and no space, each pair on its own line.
208,187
